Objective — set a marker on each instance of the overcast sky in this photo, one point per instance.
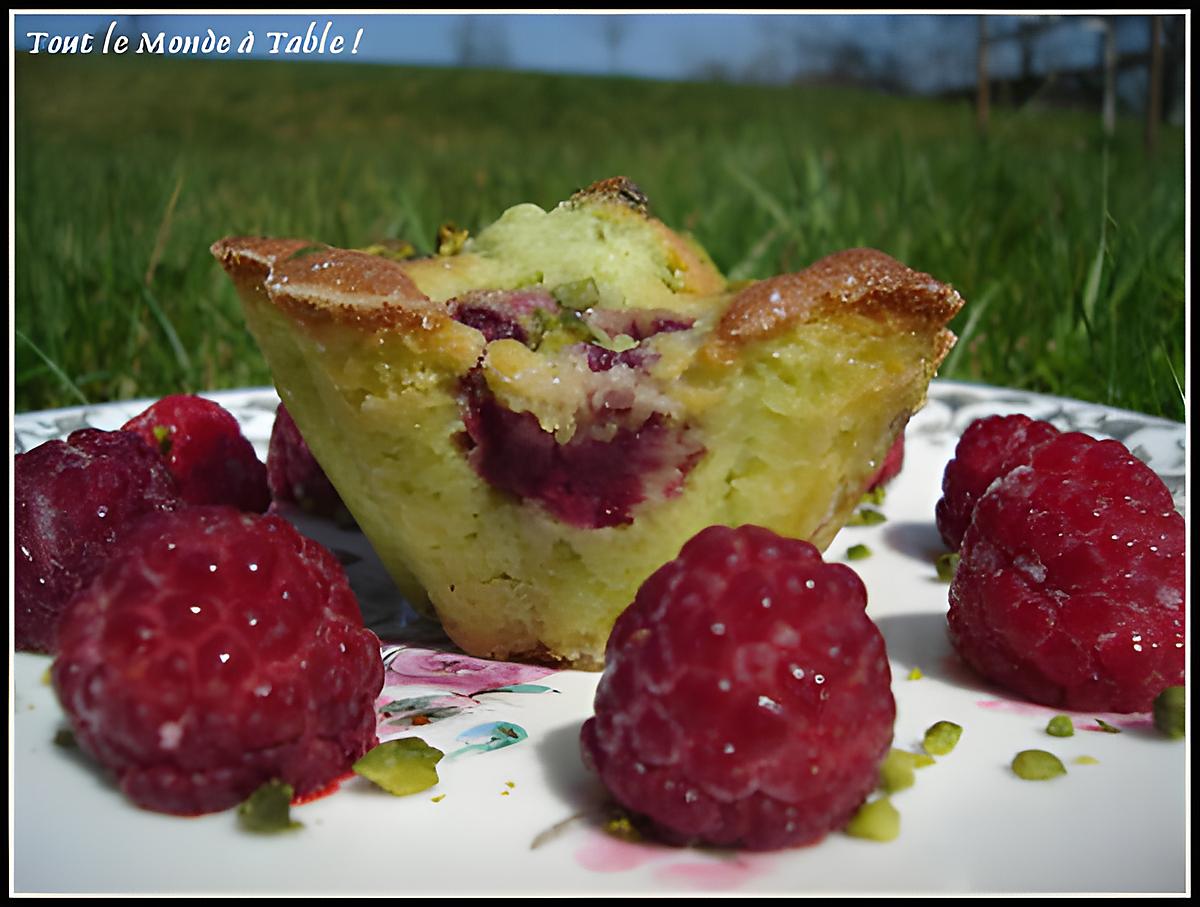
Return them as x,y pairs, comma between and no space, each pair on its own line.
930,51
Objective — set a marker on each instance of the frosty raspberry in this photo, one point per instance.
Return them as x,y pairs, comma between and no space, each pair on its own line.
988,449
1070,589
206,452
73,501
218,651
746,699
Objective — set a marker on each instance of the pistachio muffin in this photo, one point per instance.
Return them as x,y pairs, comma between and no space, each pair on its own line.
529,423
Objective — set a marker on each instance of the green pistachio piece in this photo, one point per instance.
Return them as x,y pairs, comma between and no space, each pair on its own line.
858,552
1169,712
402,766
578,295
875,496
574,327
451,238
1086,760
619,825
1106,727
543,323
65,738
1060,726
1037,765
876,820
942,737
534,279
268,809
620,343
577,327
162,434
915,674
393,249
897,771
946,565
865,516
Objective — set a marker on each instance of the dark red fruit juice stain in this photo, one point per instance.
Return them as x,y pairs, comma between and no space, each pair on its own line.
1083,721
696,869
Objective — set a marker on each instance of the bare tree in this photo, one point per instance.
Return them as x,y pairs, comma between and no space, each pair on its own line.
1028,29
1174,67
1155,84
888,72
711,70
849,63
771,63
1104,26
614,28
983,94
1110,77
481,41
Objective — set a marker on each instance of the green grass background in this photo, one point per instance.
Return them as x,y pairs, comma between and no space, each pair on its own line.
1068,248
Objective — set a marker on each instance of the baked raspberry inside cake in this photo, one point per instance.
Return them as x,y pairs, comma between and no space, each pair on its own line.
628,445
530,426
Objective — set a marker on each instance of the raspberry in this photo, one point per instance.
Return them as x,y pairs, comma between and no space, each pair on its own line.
293,473
988,449
504,314
600,359
587,482
892,464
1070,588
206,452
218,650
73,501
746,697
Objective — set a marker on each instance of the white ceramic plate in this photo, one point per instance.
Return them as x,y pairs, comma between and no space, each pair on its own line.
968,825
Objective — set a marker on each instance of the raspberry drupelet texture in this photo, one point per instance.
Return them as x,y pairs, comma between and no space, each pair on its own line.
588,482
746,699
295,476
73,501
203,445
218,651
1070,588
988,449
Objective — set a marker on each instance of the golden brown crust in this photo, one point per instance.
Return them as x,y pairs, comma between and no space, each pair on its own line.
248,259
864,281
320,283
943,344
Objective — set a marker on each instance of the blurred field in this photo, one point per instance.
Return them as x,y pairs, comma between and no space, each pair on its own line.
1069,253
